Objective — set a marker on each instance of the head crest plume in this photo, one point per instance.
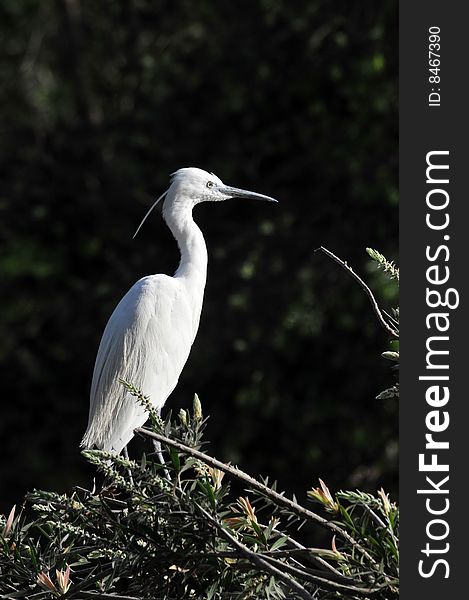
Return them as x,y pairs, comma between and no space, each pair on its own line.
149,211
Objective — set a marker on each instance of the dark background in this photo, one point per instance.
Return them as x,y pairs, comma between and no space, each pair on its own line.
100,102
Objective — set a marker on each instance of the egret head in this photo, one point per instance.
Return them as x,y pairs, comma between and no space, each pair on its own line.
201,186
192,186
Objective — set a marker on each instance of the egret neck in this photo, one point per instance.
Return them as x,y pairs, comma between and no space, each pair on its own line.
192,270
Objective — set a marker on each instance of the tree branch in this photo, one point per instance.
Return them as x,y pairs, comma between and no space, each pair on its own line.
390,330
260,487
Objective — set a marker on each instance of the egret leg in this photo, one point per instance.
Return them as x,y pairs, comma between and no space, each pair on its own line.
159,453
125,452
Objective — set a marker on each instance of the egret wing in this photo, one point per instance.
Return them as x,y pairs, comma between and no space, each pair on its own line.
146,342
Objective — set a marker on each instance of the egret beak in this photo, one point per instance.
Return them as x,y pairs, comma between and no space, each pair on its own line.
232,192
148,212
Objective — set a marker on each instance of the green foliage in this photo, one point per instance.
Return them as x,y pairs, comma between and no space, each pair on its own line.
388,266
142,535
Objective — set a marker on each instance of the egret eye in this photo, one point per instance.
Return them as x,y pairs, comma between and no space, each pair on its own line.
210,184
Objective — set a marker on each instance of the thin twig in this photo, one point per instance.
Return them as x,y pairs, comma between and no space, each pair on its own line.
391,318
104,596
278,554
260,487
374,516
321,581
379,522
309,553
253,557
392,332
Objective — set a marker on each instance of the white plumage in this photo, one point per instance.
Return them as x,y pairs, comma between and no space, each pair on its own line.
148,337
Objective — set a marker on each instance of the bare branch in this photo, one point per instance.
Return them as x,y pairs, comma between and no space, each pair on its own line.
390,330
104,596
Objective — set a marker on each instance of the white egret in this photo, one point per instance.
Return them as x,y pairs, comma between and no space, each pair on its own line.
149,335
